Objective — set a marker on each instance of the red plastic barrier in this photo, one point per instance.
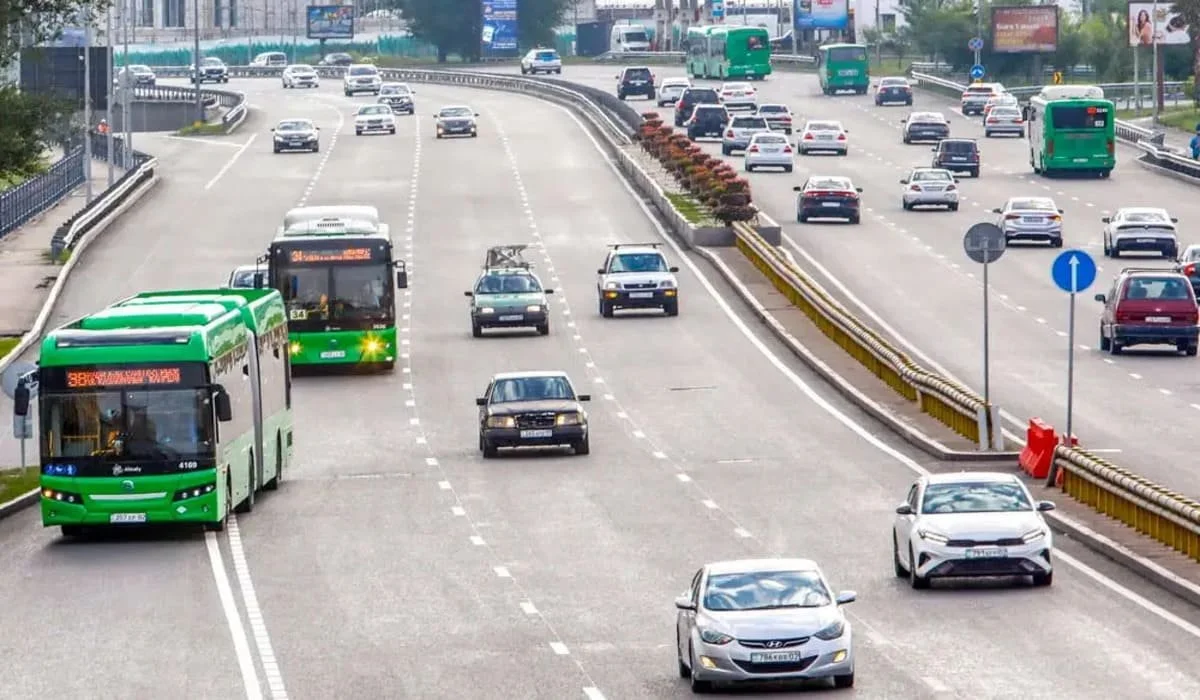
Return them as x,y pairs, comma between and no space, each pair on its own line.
1038,453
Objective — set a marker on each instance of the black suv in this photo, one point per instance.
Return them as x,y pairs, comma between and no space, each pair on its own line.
635,80
957,155
707,120
692,97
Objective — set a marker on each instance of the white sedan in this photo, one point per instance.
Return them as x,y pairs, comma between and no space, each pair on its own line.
739,96
930,187
671,89
769,150
374,118
971,524
826,136
1141,230
300,75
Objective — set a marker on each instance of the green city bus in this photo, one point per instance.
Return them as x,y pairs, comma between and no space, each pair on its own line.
1072,129
333,266
844,67
730,52
166,407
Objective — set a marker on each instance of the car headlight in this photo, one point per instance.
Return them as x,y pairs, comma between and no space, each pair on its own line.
667,284
832,631
487,310
1033,536
934,537
501,422
534,308
610,285
569,419
715,637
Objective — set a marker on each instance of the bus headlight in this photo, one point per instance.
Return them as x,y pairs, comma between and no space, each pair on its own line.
195,491
294,348
62,496
501,422
372,346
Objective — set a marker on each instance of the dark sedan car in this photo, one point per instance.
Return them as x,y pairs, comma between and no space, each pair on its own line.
827,197
925,126
532,409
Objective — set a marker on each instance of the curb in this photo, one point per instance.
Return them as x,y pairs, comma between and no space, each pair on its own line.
18,504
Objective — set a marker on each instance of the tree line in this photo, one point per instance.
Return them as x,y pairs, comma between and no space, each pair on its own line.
455,27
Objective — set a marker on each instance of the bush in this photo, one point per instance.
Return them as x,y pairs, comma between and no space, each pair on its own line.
710,180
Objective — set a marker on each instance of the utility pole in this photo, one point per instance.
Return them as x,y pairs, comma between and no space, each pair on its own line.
87,109
196,57
108,103
126,96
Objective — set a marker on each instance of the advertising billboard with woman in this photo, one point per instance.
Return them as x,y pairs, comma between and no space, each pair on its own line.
1147,19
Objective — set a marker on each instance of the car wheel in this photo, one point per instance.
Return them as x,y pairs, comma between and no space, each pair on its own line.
1105,344
801,217
906,206
844,681
907,140
358,132
897,565
1192,348
544,329
684,671
671,308
787,168
1107,249
1114,252
489,450
1114,346
476,330
987,134
975,172
606,309
316,148
392,131
1042,580
954,207
1056,243
725,150
583,447
749,168
855,219
77,530
277,149
917,582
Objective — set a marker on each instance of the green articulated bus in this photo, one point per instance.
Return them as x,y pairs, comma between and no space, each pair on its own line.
166,407
333,266
729,52
844,67
1072,129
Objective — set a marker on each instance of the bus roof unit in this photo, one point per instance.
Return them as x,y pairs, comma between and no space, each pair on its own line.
347,211
1071,92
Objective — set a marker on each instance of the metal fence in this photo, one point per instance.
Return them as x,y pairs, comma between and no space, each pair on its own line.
34,196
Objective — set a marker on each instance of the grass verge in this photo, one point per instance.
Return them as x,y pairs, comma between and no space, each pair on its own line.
202,129
15,481
7,345
1183,117
693,212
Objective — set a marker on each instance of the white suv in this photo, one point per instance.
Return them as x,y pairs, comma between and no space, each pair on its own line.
541,61
361,77
637,276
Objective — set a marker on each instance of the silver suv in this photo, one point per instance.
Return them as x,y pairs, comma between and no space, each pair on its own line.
739,132
636,276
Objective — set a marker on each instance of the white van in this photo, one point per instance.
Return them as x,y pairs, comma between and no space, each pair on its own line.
628,37
271,59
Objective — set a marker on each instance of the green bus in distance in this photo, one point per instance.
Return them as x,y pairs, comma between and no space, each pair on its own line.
1072,128
166,407
844,67
729,52
333,266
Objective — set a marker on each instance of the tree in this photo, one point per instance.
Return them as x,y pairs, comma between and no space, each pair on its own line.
1189,12
24,22
453,26
537,20
30,122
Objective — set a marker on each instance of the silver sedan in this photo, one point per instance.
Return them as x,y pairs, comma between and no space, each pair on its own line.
930,187
1035,219
762,620
769,151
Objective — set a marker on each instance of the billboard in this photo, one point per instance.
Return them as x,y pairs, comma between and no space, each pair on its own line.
499,27
1028,29
330,21
821,14
1148,19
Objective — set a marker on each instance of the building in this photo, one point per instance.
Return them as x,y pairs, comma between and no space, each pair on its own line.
890,16
217,17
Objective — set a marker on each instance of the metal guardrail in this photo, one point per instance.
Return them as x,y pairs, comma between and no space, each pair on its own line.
21,203
68,235
1155,153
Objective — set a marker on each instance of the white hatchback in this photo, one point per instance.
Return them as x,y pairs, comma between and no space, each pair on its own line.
770,150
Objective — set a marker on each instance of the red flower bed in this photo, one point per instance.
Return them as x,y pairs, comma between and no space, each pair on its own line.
712,181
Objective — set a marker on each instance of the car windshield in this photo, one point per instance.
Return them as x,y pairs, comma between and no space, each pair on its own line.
730,87
455,112
338,293
638,262
829,183
211,62
770,139
766,590
140,69
748,123
975,497
893,82
712,113
546,56
1032,205
532,389
675,83
1157,289
507,284
294,125
957,146
1191,254
824,126
394,90
302,69
700,95
1006,112
773,109
374,109
132,425
928,118
635,36
931,175
1144,217
637,73
362,70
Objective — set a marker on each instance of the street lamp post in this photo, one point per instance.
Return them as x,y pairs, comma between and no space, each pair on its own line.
108,103
196,57
87,108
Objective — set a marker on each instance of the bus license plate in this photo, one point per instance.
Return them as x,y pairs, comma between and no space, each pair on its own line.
127,518
987,553
775,657
536,433
333,354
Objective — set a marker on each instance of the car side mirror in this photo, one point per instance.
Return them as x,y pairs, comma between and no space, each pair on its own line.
584,397
934,149
904,509
548,291
477,114
845,131
1044,506
1174,220
672,269
858,190
996,210
846,597
401,274
468,294
798,188
600,271
316,128
904,182
224,409
1060,211
1100,298
480,402
1107,219
903,121
618,76
272,130
684,602
21,400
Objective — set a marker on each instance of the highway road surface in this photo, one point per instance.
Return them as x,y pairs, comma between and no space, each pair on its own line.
906,273
394,562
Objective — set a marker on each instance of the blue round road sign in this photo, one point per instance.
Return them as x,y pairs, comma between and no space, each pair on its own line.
975,44
1073,271
977,71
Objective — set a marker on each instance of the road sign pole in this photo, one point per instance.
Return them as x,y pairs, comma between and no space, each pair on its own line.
987,394
1073,271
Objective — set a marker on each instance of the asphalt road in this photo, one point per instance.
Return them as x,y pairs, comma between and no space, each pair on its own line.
395,562
906,273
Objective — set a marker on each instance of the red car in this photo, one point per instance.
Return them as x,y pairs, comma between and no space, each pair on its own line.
1149,306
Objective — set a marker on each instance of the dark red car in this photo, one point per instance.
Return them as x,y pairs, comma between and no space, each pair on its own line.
1149,306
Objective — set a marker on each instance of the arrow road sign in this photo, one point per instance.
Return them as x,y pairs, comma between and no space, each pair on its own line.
984,243
1073,271
977,71
975,44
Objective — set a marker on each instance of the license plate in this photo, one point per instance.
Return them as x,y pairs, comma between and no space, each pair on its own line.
1145,240
987,553
825,137
831,204
958,159
775,657
127,518
536,433
641,295
1032,219
1079,160
776,149
1158,319
515,317
332,354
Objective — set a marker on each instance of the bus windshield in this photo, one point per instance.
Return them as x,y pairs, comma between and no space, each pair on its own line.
847,53
338,293
160,424
1078,117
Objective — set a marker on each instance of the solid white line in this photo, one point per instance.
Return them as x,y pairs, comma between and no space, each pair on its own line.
444,485
741,532
229,164
258,626
204,142
431,461
241,647
820,401
709,503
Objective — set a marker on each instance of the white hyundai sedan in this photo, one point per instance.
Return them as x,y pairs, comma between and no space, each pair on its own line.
374,118
971,524
769,150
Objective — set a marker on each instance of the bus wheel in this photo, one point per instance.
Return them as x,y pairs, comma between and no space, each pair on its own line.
219,526
72,530
247,504
1105,173
273,483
